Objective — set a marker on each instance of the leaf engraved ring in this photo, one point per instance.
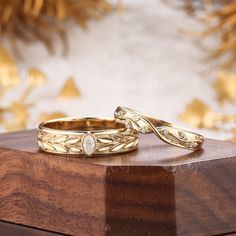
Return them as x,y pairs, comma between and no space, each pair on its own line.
166,131
86,136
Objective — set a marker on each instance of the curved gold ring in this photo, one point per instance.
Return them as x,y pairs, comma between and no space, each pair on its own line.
166,131
86,136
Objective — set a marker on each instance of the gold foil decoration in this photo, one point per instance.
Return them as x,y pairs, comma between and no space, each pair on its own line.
50,116
121,7
69,90
41,20
225,87
9,75
20,114
19,111
233,139
199,115
35,78
219,18
16,115
1,115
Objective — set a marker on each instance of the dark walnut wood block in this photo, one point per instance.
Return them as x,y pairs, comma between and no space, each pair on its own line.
157,190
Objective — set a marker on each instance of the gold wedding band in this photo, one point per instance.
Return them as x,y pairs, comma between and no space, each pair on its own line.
86,136
166,131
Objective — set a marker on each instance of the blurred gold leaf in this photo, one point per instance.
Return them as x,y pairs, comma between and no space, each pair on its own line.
198,114
35,79
219,19
50,116
19,111
20,114
1,115
69,90
226,87
16,115
233,139
41,20
9,75
121,6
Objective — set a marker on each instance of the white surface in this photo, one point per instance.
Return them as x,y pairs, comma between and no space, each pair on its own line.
138,59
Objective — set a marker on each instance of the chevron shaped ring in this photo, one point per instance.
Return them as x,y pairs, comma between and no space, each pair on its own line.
165,131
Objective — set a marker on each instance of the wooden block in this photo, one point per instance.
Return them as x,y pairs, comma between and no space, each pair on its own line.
157,190
9,229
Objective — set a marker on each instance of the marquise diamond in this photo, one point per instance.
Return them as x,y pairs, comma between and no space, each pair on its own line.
89,144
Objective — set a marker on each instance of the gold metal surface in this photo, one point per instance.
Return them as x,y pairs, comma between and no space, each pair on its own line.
166,131
68,136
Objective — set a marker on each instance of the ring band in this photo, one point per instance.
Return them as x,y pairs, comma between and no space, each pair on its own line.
86,136
166,131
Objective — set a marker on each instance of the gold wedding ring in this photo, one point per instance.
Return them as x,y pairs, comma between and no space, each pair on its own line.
166,131
86,136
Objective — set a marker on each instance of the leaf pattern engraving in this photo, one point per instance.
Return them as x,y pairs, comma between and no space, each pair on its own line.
72,144
59,143
167,132
117,142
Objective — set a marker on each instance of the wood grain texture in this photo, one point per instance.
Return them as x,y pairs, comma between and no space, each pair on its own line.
9,229
157,190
